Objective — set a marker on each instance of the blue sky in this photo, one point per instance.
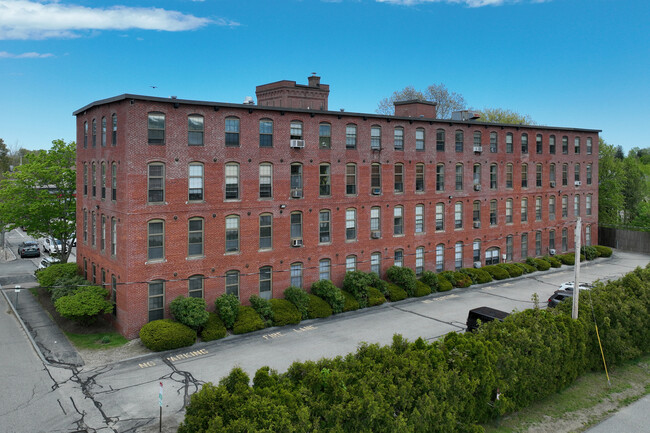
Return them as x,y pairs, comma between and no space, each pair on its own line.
574,63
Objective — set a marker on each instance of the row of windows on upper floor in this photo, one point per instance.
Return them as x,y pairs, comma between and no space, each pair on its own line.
156,135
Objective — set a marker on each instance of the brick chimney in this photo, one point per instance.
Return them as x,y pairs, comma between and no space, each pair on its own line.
285,93
314,81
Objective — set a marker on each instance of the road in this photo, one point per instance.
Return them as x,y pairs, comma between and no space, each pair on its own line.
123,397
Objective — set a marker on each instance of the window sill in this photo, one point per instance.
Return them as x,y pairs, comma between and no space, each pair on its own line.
202,256
157,203
195,202
231,253
264,250
155,261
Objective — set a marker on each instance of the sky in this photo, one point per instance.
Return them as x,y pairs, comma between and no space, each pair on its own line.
569,63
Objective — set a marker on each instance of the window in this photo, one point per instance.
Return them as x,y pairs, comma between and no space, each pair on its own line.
524,246
114,182
232,234
440,177
156,183
102,241
232,181
565,174
588,174
440,216
195,237
103,132
458,255
156,240
476,212
85,226
565,239
524,209
398,220
477,176
266,231
458,215
93,180
399,258
459,177
419,218
476,250
375,137
419,139
113,236
94,131
440,257
493,142
324,229
551,174
195,286
419,261
509,145
524,175
232,132
551,240
538,208
588,205
538,144
296,275
551,208
565,206
156,300
589,146
576,145
509,247
375,263
492,256
460,139
588,235
419,177
509,175
156,129
493,176
232,283
114,134
576,172
576,205
324,182
324,136
296,180
565,145
375,222
524,143
85,179
375,178
296,130
351,263
85,135
266,180
551,145
538,175
399,138
195,182
266,133
194,130
493,212
324,269
477,139
296,225
399,178
93,227
440,140
509,211
351,179
351,137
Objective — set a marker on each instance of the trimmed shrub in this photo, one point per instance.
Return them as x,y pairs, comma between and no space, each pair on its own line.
213,329
166,334
430,279
421,289
377,283
555,263
284,312
299,298
589,252
227,307
603,251
462,279
351,304
496,272
478,276
396,293
375,297
569,258
85,304
47,277
67,285
189,311
318,308
326,290
356,283
247,321
511,269
539,264
449,276
403,277
443,284
263,308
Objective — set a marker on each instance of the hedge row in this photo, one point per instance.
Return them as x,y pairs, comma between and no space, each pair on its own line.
449,385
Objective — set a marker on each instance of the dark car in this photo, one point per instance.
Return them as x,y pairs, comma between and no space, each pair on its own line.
484,314
29,249
559,296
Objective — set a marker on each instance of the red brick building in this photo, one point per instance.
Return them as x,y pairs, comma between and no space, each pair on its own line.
181,197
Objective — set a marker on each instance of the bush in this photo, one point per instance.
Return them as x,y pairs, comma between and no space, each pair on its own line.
526,267
247,321
539,264
263,308
284,312
189,311
403,277
603,251
351,304
376,282
478,276
84,305
421,289
299,298
496,272
443,284
318,308
67,285
449,276
326,290
166,334
512,269
569,258
395,292
430,279
555,263
227,307
47,277
356,283
213,329
589,252
462,279
375,297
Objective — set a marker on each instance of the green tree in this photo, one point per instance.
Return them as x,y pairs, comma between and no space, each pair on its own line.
610,180
40,195
5,161
502,115
634,188
446,101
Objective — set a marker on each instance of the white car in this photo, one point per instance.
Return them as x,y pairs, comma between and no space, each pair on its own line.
48,261
568,286
51,245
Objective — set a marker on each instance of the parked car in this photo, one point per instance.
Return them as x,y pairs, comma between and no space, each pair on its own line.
568,286
484,314
48,261
29,249
51,245
73,240
559,296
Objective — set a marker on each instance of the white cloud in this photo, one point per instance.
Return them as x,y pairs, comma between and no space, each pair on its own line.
32,55
470,3
27,19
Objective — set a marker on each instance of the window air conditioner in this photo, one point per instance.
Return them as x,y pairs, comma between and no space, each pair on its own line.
477,224
477,265
297,143
376,191
478,149
375,235
551,252
552,184
578,183
296,193
296,242
477,187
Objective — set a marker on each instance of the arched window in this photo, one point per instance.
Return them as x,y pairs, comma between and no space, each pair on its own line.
232,234
266,283
419,139
195,130
492,256
266,180
232,181
351,179
440,140
458,255
155,240
266,231
460,140
195,237
399,138
156,128
494,142
351,263
419,261
324,135
195,181
232,132
156,183
232,283
399,258
351,136
195,286
266,133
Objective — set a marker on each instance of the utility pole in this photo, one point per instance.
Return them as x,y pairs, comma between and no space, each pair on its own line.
576,270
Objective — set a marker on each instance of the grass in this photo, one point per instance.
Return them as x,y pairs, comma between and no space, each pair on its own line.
102,340
589,400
